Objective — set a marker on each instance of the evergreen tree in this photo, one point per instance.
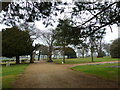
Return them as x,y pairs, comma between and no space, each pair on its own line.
115,49
16,43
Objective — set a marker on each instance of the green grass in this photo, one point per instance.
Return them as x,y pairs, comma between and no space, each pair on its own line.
84,60
101,70
9,74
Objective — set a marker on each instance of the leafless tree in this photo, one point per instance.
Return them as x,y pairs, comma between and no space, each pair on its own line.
48,39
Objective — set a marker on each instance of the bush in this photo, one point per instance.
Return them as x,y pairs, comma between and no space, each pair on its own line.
115,49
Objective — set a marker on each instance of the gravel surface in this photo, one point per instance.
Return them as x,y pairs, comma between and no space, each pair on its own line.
49,75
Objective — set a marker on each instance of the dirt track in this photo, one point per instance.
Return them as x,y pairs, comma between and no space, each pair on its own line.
50,75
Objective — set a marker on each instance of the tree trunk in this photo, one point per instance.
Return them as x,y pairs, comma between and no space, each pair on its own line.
82,52
91,42
17,60
50,58
92,54
83,55
92,51
68,56
50,54
100,54
92,57
31,58
63,53
86,54
39,56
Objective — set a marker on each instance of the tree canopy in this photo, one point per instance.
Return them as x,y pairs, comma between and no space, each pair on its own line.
16,42
66,34
84,13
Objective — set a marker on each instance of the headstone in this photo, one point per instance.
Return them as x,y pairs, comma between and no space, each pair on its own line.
7,64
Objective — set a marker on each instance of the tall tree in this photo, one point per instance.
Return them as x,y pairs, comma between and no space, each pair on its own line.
61,34
16,43
66,34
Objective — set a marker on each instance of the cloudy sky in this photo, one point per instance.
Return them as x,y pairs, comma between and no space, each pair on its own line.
110,35
107,38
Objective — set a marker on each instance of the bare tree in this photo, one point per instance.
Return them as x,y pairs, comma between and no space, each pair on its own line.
48,38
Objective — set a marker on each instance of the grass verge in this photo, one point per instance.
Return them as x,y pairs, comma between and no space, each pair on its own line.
84,60
9,74
106,71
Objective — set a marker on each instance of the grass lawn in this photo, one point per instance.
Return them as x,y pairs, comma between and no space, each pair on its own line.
9,74
84,60
101,70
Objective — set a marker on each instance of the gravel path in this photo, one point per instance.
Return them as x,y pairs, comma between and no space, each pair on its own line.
50,75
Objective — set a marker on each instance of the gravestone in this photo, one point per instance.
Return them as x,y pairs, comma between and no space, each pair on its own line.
7,63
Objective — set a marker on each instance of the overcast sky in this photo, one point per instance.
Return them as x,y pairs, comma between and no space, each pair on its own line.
107,38
112,35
